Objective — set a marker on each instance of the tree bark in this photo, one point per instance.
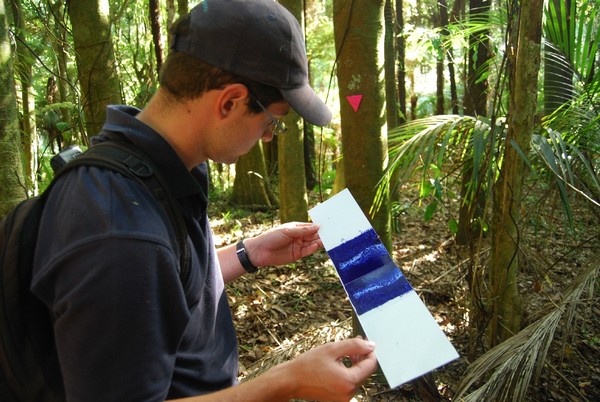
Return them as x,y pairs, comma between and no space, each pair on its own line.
475,99
29,133
293,202
475,103
95,59
401,52
154,15
182,7
443,8
440,56
439,87
505,301
64,79
310,172
12,183
170,6
358,29
391,95
251,183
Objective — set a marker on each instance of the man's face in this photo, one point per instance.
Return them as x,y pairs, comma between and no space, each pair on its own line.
249,128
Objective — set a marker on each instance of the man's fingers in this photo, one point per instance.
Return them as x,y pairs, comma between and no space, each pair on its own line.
354,347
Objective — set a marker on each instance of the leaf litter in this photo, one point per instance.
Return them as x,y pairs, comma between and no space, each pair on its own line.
281,312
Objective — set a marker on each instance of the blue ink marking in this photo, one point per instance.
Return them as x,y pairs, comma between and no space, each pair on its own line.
358,256
377,288
363,262
367,271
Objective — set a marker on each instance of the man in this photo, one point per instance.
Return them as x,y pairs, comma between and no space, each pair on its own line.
126,327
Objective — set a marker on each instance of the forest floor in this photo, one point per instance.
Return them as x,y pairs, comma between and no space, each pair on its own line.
280,312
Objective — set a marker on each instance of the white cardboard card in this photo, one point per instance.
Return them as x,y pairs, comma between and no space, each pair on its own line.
409,341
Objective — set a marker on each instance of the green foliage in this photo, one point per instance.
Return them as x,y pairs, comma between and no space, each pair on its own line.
437,142
574,33
134,51
320,44
561,158
443,142
327,181
565,151
453,226
569,144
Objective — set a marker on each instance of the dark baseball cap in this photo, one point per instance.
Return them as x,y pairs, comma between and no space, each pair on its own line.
259,40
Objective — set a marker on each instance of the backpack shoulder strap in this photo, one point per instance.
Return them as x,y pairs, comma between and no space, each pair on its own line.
123,157
29,369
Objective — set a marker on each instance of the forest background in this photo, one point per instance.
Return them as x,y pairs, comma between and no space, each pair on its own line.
468,132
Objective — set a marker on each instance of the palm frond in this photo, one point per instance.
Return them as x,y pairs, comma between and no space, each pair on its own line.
560,157
517,361
421,143
573,34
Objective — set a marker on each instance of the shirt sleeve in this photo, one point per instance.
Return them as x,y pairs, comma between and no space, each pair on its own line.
105,268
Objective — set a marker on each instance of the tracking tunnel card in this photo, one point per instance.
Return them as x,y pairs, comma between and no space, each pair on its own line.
409,341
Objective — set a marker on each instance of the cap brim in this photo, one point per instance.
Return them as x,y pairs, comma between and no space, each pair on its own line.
307,104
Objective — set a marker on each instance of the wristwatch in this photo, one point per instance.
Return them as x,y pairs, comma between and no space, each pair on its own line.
243,257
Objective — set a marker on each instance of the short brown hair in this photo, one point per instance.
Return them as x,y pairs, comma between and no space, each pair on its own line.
187,77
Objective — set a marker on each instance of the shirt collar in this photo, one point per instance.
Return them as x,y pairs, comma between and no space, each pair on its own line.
121,122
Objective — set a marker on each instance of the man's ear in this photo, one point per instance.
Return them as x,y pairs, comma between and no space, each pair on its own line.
232,97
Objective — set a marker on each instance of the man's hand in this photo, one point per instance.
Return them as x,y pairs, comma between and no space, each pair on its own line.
283,244
320,374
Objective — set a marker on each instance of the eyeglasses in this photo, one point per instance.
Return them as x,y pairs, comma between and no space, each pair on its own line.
276,126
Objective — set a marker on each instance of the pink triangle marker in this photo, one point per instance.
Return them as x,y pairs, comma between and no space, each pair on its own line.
354,101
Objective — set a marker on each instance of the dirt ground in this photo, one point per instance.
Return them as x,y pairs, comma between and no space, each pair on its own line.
280,312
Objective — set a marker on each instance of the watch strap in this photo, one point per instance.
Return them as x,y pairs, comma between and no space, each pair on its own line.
243,257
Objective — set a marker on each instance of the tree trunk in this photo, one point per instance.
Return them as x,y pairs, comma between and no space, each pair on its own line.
293,203
271,155
51,118
506,304
154,15
310,172
475,103
358,30
413,97
29,133
392,86
401,47
182,7
391,97
251,183
439,87
443,7
96,65
12,184
339,182
475,98
170,6
364,141
439,65
64,78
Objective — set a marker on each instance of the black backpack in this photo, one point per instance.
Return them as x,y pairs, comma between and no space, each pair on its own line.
28,362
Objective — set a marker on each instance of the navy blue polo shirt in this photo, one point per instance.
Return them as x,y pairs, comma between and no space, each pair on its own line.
125,328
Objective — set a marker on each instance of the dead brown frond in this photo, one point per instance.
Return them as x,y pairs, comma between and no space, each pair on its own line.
518,360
